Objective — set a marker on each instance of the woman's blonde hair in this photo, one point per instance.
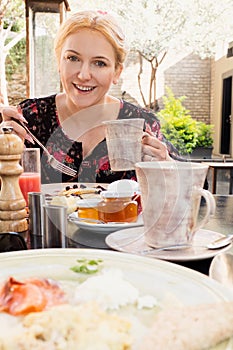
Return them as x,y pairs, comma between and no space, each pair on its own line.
98,21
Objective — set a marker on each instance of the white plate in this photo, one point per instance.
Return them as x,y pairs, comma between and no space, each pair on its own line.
105,228
132,241
150,276
54,188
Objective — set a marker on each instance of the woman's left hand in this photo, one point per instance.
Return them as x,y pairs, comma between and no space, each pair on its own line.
153,149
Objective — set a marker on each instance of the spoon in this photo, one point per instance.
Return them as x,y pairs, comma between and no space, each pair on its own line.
216,244
221,242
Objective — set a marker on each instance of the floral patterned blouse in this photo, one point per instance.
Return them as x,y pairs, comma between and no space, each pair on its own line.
43,122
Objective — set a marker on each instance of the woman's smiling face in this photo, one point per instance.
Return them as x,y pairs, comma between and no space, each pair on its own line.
87,68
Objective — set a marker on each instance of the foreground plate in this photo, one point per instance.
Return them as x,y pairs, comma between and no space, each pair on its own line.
132,241
152,276
155,277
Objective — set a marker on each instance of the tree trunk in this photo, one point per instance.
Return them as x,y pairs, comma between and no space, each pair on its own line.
152,88
139,77
3,82
154,63
156,107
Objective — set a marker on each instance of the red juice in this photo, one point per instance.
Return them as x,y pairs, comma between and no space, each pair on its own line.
29,182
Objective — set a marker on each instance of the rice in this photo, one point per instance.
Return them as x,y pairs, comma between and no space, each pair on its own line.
67,327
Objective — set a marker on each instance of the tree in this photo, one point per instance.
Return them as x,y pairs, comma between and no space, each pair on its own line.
158,23
153,27
11,32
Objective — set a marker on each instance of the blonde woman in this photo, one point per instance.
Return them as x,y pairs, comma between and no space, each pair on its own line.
90,50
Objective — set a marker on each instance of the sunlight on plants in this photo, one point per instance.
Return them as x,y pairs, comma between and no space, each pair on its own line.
178,126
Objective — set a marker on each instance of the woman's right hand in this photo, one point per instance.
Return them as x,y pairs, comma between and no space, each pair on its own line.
13,112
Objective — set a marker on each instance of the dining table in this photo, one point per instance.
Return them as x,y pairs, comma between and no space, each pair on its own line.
173,283
214,168
156,280
221,222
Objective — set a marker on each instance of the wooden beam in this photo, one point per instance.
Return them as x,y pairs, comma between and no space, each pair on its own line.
32,6
28,72
67,5
47,6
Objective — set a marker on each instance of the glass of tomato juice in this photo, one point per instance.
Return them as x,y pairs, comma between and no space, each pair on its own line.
30,179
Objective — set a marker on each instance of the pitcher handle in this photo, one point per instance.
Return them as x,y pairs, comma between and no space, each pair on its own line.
210,206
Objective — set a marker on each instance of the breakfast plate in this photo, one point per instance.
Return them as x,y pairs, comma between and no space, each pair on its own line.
103,228
167,283
55,188
131,240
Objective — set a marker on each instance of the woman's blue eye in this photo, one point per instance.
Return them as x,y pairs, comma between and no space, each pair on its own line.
100,64
72,58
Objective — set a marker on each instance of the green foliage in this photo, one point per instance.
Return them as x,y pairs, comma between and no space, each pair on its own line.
13,19
205,135
16,56
13,15
180,128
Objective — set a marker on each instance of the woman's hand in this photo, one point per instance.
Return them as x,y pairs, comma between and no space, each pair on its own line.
153,149
12,112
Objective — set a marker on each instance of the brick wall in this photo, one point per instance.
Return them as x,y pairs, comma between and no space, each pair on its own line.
212,66
189,76
17,86
192,77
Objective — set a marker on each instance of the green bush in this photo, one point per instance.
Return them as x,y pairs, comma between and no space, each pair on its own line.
205,135
177,125
15,58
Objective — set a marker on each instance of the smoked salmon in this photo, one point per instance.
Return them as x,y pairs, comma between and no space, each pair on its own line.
32,295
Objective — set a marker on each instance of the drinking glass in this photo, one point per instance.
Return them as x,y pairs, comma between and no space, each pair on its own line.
30,179
123,138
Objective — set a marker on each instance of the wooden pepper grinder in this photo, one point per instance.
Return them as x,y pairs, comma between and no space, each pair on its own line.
13,211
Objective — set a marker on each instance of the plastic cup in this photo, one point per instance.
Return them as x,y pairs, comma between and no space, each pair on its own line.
123,137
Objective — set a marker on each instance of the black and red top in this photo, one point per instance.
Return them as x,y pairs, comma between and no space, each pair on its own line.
43,122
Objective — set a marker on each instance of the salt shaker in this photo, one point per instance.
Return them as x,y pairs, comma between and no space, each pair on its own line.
36,200
55,226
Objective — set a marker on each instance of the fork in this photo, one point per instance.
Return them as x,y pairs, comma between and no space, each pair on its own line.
51,159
